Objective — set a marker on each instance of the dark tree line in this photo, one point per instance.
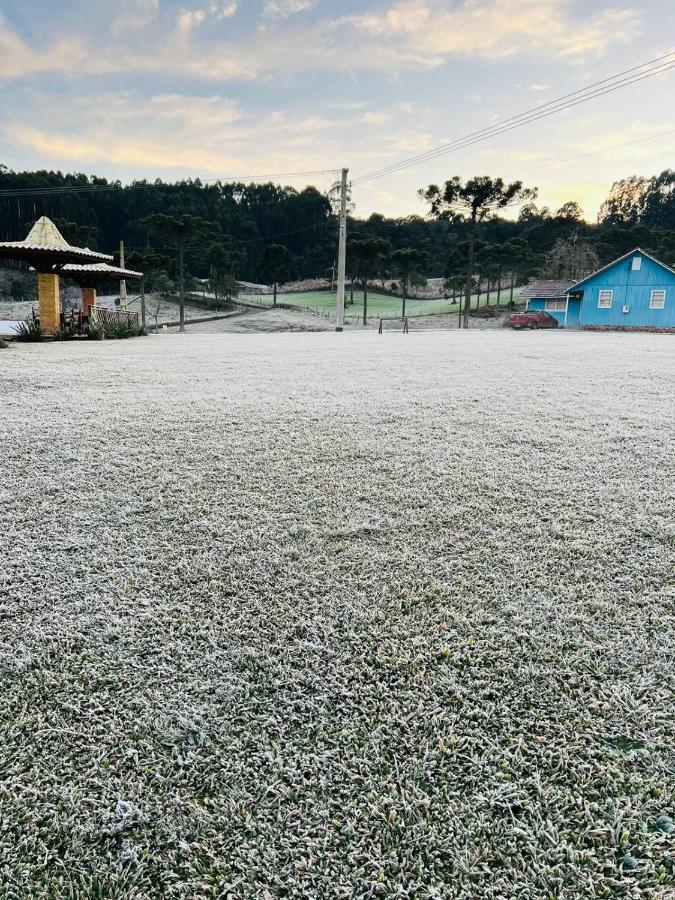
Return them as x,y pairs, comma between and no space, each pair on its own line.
247,218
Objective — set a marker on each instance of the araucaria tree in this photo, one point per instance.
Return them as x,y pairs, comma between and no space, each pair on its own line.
275,265
365,255
224,260
179,234
407,262
474,201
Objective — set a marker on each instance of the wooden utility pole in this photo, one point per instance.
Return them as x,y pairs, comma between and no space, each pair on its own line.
143,304
181,286
469,276
342,255
123,284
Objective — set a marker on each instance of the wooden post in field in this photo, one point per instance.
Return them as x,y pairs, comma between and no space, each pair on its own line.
123,284
143,304
342,254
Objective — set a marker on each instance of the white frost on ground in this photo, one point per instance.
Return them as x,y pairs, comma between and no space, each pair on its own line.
254,320
263,321
337,616
273,320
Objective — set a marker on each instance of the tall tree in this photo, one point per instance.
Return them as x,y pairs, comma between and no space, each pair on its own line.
367,254
572,259
570,210
224,260
518,260
406,262
179,234
276,266
455,271
626,202
502,259
474,200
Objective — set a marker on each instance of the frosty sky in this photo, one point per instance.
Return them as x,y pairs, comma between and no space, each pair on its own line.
159,88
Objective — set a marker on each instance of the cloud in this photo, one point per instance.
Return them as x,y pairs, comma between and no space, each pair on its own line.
282,9
406,35
75,57
193,18
226,10
496,29
172,132
189,19
213,136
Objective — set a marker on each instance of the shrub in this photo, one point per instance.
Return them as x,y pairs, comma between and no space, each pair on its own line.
68,330
94,332
120,330
17,289
30,331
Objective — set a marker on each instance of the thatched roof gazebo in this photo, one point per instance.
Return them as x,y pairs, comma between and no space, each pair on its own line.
48,252
91,275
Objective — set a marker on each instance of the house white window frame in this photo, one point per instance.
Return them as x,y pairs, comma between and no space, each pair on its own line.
636,264
662,304
558,304
601,301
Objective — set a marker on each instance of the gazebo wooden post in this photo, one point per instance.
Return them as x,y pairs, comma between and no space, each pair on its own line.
49,297
88,300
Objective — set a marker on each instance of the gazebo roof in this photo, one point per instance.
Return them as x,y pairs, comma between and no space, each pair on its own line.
45,244
100,270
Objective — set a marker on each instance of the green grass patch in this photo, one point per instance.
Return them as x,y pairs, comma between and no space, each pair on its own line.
379,305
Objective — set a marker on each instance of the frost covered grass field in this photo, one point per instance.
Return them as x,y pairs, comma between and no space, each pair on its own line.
331,616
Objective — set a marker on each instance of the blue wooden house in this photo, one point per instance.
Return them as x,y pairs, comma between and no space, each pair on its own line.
634,293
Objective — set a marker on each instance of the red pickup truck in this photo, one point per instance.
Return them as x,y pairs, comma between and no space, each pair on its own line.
532,318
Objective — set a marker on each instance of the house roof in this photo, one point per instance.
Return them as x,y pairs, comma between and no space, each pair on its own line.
551,289
102,269
620,259
46,242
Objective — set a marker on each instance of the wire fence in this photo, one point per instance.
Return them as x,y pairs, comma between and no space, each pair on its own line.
415,308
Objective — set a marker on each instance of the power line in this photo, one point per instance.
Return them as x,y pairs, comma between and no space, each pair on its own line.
557,105
607,85
266,237
560,162
502,128
567,101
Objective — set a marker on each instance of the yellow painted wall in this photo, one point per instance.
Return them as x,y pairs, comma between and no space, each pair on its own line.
50,302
